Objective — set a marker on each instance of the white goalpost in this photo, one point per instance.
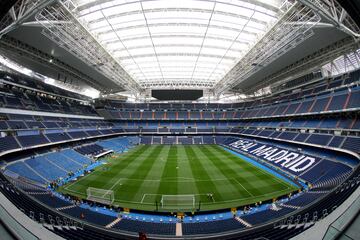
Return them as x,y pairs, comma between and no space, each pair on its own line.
99,195
178,202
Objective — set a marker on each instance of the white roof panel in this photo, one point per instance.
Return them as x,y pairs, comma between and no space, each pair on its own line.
170,41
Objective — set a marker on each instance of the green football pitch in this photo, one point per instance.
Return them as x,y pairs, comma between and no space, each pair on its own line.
143,178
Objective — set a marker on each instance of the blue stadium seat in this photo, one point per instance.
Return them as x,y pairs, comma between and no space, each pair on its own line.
8,143
336,141
352,143
320,139
354,101
24,170
72,154
32,140
264,216
320,104
211,227
337,102
146,227
62,161
45,168
57,137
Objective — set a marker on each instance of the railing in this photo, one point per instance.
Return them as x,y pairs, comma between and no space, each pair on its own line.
16,229
339,226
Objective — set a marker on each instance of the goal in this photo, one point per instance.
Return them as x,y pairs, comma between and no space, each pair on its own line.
178,202
99,195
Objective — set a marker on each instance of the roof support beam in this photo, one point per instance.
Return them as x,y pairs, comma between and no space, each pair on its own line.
63,28
99,33
332,11
357,56
159,10
204,33
13,47
97,2
240,41
310,63
333,65
278,40
20,13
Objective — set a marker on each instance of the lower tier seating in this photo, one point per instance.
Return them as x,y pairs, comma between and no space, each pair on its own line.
146,227
91,149
50,166
211,227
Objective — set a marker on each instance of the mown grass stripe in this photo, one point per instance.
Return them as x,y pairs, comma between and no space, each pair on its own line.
263,182
236,174
184,172
199,171
145,171
170,172
225,189
226,171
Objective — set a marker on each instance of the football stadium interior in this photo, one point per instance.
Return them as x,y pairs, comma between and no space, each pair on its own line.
179,119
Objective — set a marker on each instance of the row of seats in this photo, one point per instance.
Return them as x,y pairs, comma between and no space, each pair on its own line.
179,140
37,212
50,166
119,144
350,123
23,122
35,139
55,99
351,143
302,91
31,83
90,149
328,103
322,169
328,123
94,218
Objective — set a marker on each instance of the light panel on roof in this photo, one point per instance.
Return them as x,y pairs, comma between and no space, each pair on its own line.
162,41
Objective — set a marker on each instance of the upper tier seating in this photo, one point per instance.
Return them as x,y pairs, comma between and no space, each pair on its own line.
337,102
8,143
16,97
78,134
320,139
342,99
32,140
332,102
57,137
352,143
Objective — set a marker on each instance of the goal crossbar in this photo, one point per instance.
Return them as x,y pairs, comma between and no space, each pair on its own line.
99,195
178,202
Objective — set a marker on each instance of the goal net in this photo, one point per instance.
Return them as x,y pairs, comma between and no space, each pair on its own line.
178,202
100,195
